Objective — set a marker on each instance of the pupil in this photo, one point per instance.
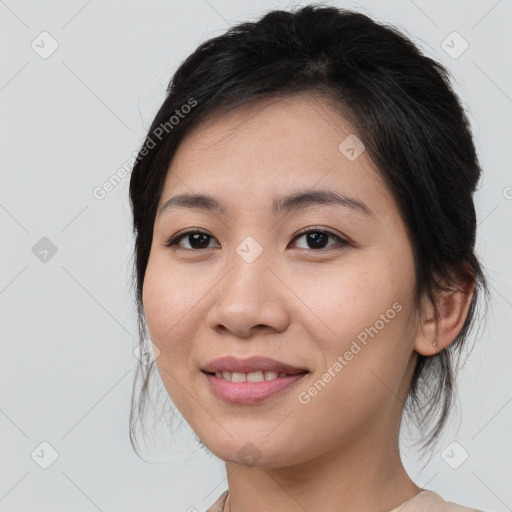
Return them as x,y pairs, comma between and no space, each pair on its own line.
315,238
197,238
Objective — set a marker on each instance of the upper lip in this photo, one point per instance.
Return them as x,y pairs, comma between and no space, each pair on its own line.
248,365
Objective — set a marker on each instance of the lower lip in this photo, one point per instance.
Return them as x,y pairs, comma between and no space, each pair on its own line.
250,392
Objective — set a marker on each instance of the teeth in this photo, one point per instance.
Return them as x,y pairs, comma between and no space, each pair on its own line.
258,376
255,377
238,377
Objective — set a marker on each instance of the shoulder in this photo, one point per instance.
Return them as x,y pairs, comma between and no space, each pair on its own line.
218,506
430,500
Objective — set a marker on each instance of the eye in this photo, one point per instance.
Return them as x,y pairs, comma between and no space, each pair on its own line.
316,238
197,239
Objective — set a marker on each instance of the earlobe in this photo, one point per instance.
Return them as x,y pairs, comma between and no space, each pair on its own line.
437,333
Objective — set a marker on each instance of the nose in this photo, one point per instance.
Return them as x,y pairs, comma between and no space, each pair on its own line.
250,300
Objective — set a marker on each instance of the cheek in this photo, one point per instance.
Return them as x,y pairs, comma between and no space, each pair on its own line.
155,299
171,318
351,297
365,307
169,312
365,352
169,299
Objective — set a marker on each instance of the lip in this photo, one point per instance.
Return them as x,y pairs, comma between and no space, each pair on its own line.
251,364
250,392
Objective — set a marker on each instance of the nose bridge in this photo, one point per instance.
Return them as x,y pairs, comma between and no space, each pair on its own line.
249,272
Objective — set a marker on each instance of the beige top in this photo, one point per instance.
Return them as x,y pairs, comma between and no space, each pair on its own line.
425,501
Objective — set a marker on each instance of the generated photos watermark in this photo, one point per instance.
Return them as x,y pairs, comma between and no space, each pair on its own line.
101,191
304,397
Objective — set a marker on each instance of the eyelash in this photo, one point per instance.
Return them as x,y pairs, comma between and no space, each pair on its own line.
174,241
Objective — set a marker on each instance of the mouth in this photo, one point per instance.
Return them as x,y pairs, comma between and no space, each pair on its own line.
249,381
256,376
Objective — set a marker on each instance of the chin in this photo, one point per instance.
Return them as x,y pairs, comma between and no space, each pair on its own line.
260,452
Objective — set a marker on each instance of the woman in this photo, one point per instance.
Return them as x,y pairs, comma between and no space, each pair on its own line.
304,257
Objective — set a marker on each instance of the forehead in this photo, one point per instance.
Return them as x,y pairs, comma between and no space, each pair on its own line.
270,147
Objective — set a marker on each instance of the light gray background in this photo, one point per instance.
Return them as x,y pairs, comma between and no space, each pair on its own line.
68,122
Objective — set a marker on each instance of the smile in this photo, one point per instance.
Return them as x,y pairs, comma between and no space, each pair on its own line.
250,388
257,376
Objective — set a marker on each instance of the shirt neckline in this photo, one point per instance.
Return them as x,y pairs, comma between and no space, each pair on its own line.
394,510
397,509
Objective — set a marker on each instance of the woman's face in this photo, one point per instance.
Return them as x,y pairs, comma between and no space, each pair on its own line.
252,285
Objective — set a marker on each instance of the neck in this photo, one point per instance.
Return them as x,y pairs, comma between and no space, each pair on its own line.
341,480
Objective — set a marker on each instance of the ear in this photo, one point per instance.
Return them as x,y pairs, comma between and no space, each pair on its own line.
453,306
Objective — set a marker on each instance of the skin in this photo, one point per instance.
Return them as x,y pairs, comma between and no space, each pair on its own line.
295,303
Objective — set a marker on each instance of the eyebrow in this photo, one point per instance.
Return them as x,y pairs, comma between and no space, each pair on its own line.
292,202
